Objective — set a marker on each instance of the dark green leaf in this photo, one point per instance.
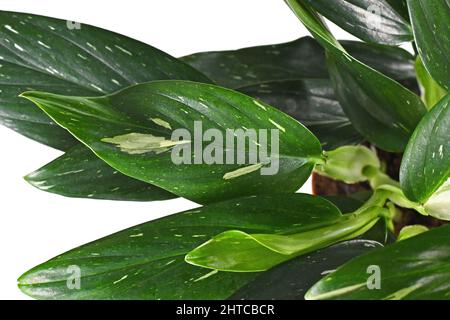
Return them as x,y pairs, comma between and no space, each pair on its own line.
147,261
313,103
80,173
413,269
370,20
431,23
41,53
401,6
426,163
384,111
123,131
293,77
292,279
299,59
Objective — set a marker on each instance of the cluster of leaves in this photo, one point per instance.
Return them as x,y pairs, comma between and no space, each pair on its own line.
111,103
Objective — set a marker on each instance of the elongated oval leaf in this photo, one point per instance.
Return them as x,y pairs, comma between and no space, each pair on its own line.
147,261
381,109
131,130
426,163
80,173
41,53
413,269
370,20
431,23
291,280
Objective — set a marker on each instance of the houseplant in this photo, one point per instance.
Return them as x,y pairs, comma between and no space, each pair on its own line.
252,228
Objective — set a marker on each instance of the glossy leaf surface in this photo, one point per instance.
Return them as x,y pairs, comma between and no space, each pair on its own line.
132,131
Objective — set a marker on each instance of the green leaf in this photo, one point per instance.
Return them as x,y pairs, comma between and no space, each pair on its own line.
426,163
80,173
299,59
432,92
401,6
411,231
291,280
348,163
121,129
431,24
370,20
382,110
413,269
239,251
293,77
313,103
147,261
41,53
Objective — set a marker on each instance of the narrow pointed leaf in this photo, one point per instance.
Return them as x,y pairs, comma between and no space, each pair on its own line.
291,280
414,269
426,163
370,20
80,173
41,53
382,110
431,23
147,261
121,129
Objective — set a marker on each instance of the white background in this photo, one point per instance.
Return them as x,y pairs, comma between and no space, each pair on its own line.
35,225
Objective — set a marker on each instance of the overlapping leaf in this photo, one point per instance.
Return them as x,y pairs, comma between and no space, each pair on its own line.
41,53
132,131
426,163
239,251
381,109
370,20
414,269
80,173
147,261
292,77
431,23
291,280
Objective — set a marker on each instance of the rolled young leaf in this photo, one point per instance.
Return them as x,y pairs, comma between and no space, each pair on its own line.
431,23
384,111
41,53
370,20
412,269
147,261
132,131
348,164
80,173
239,251
426,164
291,280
